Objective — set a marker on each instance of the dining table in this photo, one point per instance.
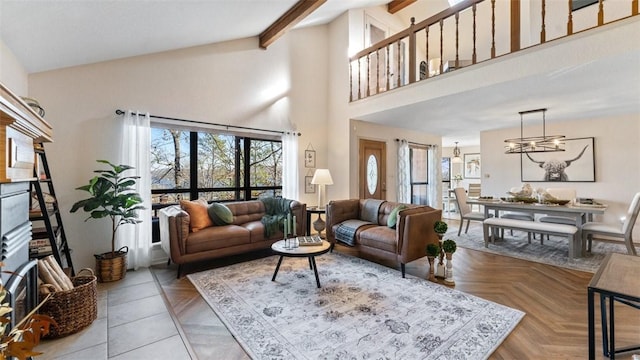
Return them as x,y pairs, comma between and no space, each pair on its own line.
582,213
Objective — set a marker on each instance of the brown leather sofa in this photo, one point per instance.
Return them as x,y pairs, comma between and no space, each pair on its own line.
244,234
406,243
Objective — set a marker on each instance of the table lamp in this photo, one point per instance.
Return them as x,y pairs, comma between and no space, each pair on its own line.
321,177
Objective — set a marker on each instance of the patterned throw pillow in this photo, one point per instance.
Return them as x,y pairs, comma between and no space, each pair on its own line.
197,210
392,220
220,214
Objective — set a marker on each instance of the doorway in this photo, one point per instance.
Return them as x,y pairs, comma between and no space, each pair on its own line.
372,162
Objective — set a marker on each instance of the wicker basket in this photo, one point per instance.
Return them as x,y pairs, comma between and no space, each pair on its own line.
74,309
112,268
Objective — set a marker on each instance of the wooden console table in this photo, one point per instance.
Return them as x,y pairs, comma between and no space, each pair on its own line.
617,280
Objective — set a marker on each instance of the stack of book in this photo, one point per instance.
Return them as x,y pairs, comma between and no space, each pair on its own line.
309,240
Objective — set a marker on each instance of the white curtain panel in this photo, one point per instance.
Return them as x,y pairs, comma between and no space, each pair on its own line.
404,175
435,173
135,151
290,183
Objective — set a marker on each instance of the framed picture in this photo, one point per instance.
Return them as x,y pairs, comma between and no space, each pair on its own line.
446,169
472,168
575,164
310,159
309,188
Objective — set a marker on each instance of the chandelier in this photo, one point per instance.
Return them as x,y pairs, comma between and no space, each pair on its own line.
456,155
540,143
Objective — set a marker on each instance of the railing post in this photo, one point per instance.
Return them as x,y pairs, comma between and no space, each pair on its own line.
634,7
457,16
515,25
570,20
412,52
543,31
441,47
474,56
600,13
493,28
350,80
369,75
426,50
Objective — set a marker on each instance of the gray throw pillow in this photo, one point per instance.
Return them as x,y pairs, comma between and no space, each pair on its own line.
220,214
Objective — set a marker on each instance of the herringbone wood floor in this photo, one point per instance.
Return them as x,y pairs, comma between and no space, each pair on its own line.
554,300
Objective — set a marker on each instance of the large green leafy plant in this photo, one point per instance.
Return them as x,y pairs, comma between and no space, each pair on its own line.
113,195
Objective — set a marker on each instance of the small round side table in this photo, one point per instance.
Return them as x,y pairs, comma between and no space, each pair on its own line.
319,224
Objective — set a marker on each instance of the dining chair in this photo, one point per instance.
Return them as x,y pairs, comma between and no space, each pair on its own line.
625,232
447,199
474,192
560,194
465,210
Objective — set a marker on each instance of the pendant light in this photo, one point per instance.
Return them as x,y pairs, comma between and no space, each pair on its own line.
531,144
456,155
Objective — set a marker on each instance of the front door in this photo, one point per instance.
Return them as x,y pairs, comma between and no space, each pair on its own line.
372,169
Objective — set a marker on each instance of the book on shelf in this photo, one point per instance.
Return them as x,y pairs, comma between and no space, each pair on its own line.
309,240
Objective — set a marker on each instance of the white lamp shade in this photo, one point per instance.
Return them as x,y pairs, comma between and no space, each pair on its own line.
457,160
322,177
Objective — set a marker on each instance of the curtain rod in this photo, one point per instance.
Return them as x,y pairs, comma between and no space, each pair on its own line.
121,112
415,143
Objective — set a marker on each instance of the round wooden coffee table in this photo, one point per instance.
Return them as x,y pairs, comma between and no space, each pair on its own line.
309,252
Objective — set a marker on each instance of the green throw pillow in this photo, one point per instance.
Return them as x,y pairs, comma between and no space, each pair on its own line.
220,214
393,216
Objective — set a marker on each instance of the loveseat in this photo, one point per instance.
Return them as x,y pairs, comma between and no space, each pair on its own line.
185,242
374,238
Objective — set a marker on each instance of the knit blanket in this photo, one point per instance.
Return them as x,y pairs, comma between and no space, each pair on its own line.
370,210
346,231
276,210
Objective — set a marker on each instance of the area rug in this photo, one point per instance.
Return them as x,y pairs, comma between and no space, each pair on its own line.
554,251
363,311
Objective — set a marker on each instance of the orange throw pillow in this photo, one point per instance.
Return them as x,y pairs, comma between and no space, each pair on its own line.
197,210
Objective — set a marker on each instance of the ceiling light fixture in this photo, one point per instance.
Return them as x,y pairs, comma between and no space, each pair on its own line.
529,144
456,155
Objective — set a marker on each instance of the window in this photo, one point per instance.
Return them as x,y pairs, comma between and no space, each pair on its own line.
418,157
212,165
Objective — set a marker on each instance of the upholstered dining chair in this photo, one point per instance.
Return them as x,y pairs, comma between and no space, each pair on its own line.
465,210
591,228
474,192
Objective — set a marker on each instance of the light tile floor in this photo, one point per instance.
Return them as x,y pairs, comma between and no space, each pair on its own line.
133,323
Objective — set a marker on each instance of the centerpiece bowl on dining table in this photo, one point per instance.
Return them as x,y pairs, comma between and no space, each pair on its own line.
557,202
520,199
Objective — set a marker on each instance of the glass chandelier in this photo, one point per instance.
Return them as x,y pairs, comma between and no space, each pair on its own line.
456,155
531,144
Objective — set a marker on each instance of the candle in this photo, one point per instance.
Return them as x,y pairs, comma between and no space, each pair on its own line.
295,233
286,227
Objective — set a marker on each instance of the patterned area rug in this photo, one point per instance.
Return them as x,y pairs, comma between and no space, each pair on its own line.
363,311
554,251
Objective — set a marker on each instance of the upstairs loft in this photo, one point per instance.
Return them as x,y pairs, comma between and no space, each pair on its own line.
507,57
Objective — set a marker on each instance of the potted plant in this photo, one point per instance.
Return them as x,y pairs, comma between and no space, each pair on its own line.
449,247
433,251
440,227
113,196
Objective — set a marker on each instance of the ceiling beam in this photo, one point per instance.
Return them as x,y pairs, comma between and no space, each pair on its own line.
397,5
290,19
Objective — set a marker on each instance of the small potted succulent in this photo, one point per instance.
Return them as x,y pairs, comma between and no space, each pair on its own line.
433,251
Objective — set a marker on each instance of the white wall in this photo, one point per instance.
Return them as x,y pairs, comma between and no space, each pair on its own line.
12,74
617,161
282,88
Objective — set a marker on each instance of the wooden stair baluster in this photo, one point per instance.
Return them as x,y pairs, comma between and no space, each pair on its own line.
493,28
474,56
600,12
441,47
388,69
570,20
368,75
426,52
377,71
543,32
359,76
457,41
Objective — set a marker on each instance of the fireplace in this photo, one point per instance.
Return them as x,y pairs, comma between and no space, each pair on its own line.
23,291
19,274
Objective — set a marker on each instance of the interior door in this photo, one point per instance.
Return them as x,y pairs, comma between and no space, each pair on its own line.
372,169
